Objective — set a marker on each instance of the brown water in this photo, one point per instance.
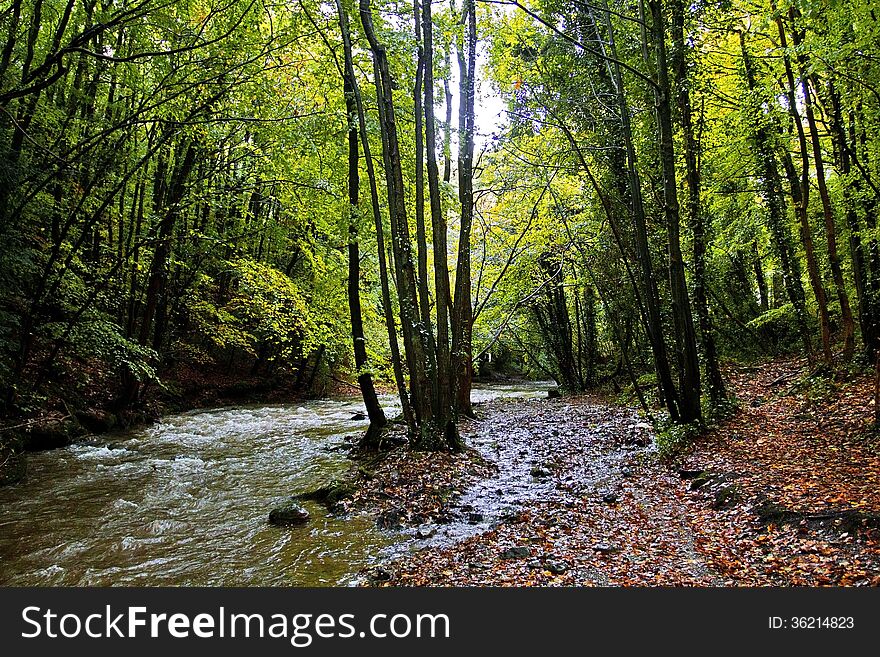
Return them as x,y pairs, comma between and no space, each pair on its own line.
185,502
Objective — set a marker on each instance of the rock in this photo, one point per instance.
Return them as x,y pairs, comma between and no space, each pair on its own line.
425,532
474,518
52,434
330,494
390,519
358,417
626,472
379,574
519,552
726,496
605,548
556,567
96,421
610,497
289,514
540,472
555,432
553,393
690,474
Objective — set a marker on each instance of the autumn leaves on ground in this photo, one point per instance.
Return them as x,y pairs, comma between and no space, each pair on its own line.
785,491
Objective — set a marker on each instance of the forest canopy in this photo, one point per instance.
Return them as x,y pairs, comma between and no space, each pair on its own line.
307,191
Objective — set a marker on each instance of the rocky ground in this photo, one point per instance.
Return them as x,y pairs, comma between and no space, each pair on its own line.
571,492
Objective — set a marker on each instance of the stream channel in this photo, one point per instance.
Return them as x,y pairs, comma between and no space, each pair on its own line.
184,502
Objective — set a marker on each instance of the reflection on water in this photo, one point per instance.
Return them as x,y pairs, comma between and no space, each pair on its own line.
185,502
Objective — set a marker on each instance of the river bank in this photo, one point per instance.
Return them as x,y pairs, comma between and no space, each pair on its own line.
185,501
785,492
68,416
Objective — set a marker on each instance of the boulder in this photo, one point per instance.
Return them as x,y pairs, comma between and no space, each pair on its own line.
519,552
288,514
52,433
556,567
96,421
329,494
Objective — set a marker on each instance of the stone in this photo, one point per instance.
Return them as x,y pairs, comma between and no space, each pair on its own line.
96,421
519,552
379,574
727,496
390,519
540,472
359,417
329,494
610,497
626,472
52,434
605,548
289,514
425,532
556,567
474,518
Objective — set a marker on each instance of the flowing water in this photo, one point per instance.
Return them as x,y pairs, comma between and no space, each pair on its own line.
185,502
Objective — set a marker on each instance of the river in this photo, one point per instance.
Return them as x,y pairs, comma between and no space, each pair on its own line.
184,502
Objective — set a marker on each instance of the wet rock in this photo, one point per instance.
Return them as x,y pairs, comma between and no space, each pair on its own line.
390,519
626,472
556,567
288,514
474,518
96,421
535,564
689,474
519,552
378,574
425,532
52,434
330,494
727,496
358,417
605,548
610,497
540,472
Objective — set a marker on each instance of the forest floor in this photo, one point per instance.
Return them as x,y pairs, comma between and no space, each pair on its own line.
571,492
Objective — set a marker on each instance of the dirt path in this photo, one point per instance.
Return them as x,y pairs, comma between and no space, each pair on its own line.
575,497
570,492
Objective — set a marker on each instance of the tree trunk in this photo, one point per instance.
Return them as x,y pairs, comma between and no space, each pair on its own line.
462,320
396,361
800,193
694,206
365,380
846,316
686,342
